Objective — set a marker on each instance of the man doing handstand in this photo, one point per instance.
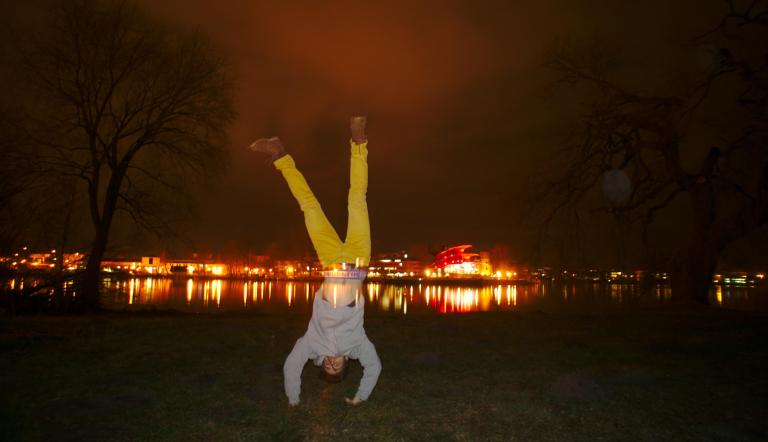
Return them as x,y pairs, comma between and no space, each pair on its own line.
335,332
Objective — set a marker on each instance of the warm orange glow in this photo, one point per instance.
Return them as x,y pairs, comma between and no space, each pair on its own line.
289,294
217,291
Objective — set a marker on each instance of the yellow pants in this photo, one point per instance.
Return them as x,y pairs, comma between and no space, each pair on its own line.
356,249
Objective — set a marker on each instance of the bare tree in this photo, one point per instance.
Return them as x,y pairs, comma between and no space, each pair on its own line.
643,139
16,180
130,109
9,186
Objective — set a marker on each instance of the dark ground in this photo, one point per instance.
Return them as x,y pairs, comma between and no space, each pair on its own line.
643,376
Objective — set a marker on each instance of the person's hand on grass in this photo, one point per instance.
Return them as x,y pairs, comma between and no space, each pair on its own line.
354,401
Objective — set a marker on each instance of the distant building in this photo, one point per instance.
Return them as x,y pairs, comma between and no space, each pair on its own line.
154,265
394,265
45,261
457,261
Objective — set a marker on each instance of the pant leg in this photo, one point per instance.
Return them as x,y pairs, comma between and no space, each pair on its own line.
357,246
324,237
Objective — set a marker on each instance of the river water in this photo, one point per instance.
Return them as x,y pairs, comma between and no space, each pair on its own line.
285,297
294,297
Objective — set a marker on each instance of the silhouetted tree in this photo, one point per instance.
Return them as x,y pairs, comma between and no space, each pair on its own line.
17,178
130,109
8,188
633,145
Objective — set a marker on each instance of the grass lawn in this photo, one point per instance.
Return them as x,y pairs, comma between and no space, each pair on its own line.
639,376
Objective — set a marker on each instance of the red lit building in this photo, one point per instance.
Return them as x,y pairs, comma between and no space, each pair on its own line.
457,261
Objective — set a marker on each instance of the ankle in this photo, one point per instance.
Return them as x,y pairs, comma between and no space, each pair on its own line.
279,149
357,129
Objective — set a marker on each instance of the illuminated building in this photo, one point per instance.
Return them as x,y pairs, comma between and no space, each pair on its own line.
43,261
394,265
457,261
153,265
118,266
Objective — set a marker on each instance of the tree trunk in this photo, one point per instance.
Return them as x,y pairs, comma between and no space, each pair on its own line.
692,274
91,281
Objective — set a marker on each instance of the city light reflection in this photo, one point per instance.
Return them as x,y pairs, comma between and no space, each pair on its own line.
200,294
719,294
217,291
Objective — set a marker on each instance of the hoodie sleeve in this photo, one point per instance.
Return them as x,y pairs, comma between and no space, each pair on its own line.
369,359
292,368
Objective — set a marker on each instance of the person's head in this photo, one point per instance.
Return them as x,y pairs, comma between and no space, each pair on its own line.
334,368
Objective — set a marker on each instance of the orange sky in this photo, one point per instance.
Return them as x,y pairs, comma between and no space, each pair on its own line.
462,117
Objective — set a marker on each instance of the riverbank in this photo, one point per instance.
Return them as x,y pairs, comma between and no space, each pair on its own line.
643,375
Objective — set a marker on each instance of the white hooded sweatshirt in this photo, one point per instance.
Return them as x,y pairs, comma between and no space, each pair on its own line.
335,329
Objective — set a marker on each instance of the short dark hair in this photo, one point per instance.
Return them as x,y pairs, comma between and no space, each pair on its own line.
335,378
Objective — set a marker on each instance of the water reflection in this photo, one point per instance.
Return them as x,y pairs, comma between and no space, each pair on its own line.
218,294
200,295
